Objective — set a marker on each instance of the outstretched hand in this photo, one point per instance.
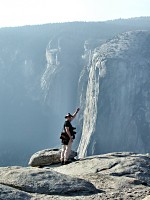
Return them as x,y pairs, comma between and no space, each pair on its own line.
78,110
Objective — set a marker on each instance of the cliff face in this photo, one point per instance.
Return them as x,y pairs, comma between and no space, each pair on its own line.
59,80
49,70
117,109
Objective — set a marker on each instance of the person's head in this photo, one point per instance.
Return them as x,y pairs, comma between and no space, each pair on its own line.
68,117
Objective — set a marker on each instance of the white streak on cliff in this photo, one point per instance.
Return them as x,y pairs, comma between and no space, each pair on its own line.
53,66
97,70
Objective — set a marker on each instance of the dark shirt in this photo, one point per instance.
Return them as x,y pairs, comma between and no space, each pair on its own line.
71,128
68,125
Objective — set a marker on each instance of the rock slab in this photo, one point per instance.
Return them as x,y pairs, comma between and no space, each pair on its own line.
10,193
118,175
43,181
47,157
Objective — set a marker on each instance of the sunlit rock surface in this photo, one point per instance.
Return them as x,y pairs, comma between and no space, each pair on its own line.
116,113
48,157
117,175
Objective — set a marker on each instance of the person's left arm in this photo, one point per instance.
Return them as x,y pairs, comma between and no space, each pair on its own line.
75,113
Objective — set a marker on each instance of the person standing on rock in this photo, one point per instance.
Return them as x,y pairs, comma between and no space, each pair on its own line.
67,137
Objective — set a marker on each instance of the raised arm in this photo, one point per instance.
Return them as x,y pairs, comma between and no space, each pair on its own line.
75,113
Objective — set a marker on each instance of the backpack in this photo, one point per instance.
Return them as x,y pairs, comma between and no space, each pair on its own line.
65,138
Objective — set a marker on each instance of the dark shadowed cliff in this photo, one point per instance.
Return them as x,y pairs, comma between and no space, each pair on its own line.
48,70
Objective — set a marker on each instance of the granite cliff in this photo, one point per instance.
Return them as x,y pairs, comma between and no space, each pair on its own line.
116,110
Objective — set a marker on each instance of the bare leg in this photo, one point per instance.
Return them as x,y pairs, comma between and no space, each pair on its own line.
63,149
67,150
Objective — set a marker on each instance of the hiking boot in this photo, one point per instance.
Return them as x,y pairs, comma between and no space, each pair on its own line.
73,159
66,162
62,162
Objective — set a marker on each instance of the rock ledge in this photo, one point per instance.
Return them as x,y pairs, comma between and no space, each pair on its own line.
108,176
